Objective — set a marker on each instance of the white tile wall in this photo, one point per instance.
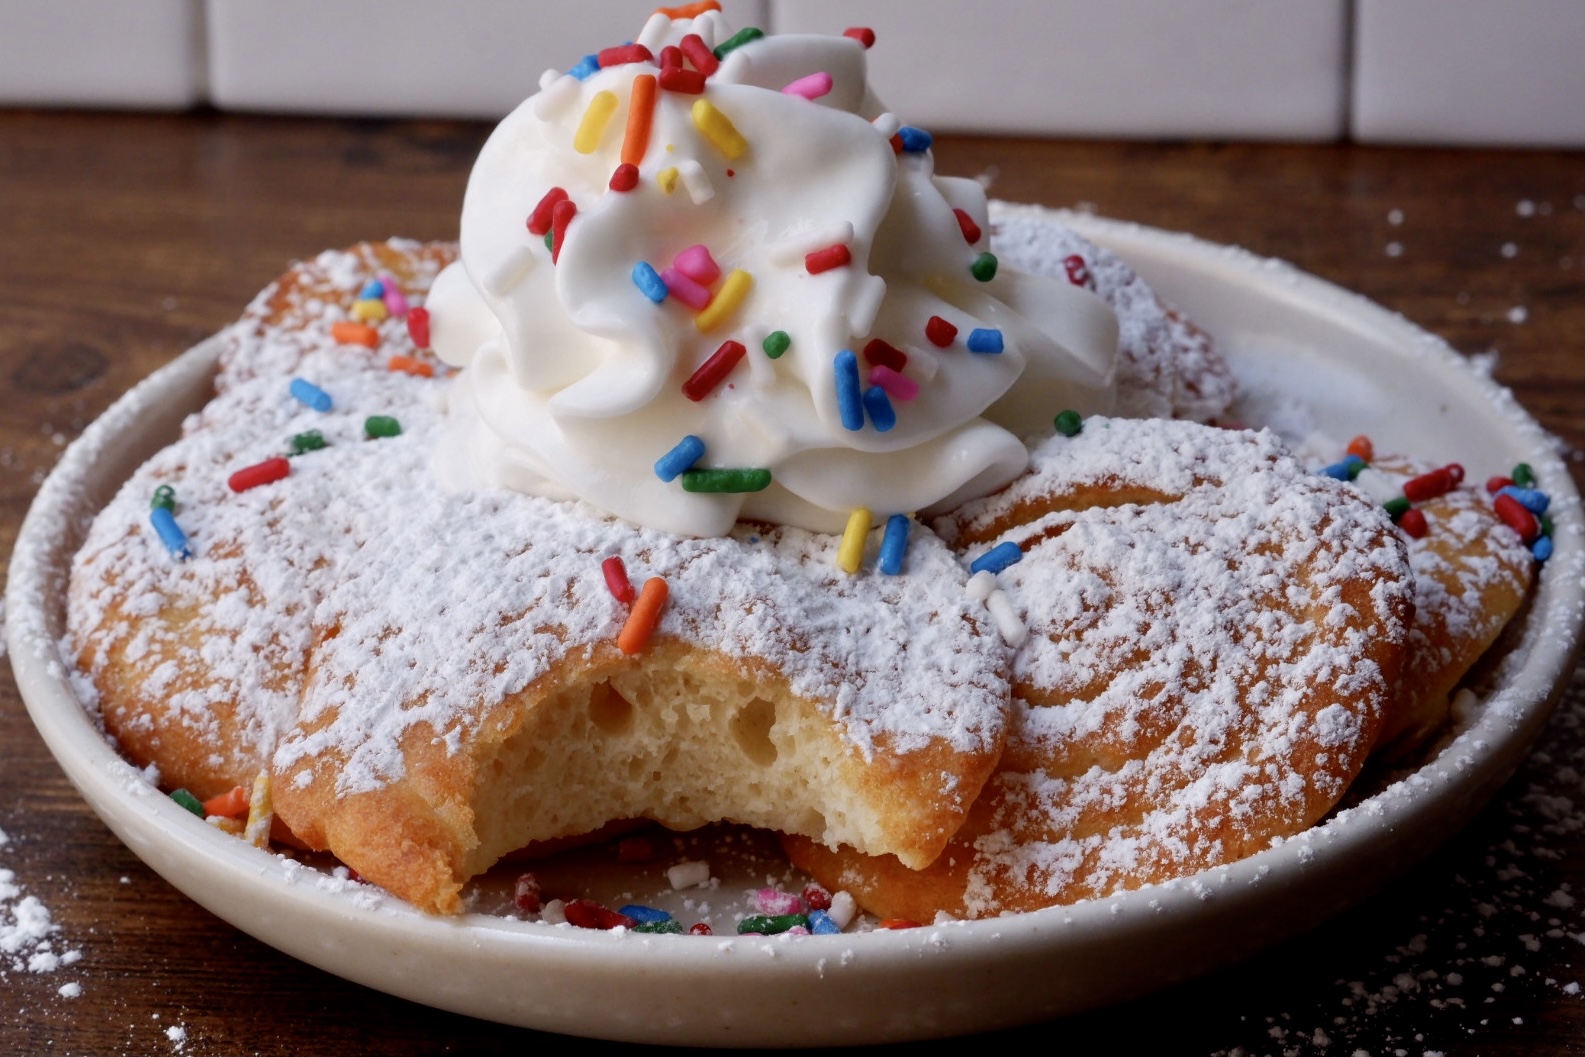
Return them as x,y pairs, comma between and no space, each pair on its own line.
477,58
147,54
1251,69
1502,72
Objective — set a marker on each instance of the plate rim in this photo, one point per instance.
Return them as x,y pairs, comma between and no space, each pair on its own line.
155,827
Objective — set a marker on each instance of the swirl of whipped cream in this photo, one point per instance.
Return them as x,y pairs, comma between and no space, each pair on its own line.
575,378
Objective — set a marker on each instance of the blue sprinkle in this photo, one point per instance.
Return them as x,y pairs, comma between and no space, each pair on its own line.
1532,499
879,405
688,451
1541,549
894,544
985,339
997,558
649,281
308,393
850,405
373,290
915,140
642,914
587,67
820,924
171,533
1346,470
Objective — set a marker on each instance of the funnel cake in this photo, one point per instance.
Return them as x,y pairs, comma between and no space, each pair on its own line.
1215,636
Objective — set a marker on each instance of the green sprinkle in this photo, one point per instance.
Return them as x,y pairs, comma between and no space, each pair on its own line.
313,440
189,801
381,426
1546,524
164,496
1396,508
771,924
737,40
748,480
550,241
1068,423
1523,475
776,343
984,267
666,927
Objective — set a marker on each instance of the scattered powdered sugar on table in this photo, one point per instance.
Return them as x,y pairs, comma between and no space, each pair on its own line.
27,934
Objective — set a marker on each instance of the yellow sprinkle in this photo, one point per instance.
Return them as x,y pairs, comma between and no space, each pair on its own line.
233,826
369,310
731,294
850,555
719,130
667,178
261,812
592,127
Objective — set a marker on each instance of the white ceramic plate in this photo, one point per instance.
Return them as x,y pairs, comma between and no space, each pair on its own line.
1360,369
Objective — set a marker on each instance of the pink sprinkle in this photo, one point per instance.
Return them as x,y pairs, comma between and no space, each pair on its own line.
797,930
684,289
772,901
395,303
896,385
696,263
812,87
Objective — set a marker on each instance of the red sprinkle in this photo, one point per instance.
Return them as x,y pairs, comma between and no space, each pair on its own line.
824,260
863,34
271,470
816,897
1497,484
1430,485
539,220
635,849
587,914
899,923
882,354
1412,521
699,928
624,54
677,79
670,57
418,326
897,143
625,178
940,332
1362,447
713,371
1516,517
560,216
616,579
525,894
971,230
699,54
1078,271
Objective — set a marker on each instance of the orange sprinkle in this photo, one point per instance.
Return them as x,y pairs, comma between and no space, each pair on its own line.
689,10
408,365
643,617
355,334
640,110
899,923
228,805
1362,447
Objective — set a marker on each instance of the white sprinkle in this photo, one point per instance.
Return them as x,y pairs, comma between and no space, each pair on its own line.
1395,217
553,912
696,182
887,124
844,908
71,990
1510,250
1525,208
1518,314
980,585
689,875
1008,622
1395,249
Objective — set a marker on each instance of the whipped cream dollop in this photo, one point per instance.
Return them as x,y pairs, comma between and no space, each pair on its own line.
758,271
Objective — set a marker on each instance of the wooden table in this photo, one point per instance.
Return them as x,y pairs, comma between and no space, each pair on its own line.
124,239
